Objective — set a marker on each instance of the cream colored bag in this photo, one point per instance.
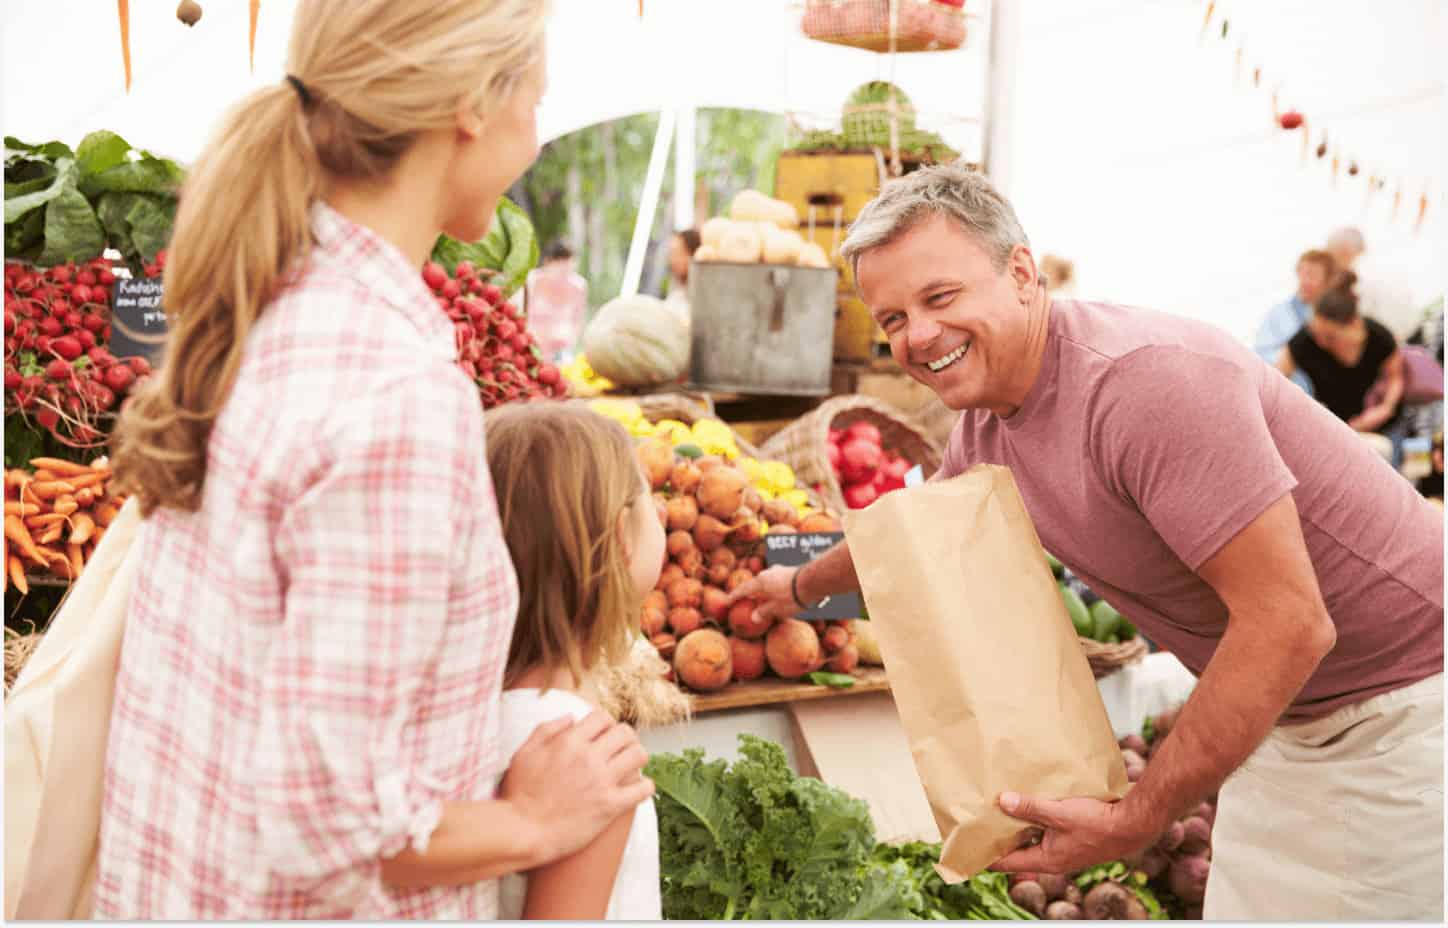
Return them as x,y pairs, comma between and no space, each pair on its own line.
56,721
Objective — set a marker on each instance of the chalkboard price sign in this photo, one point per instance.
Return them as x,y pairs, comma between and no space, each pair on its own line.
138,323
796,549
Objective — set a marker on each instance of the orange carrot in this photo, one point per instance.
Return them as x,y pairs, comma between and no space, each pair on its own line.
92,479
44,475
13,507
51,534
105,513
84,497
58,562
44,521
50,489
123,7
61,466
251,38
17,576
77,559
65,504
81,529
16,479
16,531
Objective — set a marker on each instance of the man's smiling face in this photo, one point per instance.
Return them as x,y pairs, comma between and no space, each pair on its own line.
956,322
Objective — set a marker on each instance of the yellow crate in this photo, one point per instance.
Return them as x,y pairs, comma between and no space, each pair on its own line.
827,180
830,239
854,331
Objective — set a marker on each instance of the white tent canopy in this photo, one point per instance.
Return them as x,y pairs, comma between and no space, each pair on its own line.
1132,151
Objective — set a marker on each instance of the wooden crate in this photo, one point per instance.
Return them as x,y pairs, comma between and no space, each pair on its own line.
834,183
854,331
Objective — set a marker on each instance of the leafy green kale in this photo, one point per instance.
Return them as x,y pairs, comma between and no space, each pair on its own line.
753,840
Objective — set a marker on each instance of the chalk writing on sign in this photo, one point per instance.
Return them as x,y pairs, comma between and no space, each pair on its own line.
797,548
138,321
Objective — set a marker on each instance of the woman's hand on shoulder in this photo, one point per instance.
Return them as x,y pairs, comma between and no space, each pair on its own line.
570,779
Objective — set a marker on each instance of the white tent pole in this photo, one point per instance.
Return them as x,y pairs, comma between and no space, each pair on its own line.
633,269
1003,60
684,161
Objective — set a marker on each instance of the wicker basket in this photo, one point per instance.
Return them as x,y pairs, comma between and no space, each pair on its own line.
920,25
939,421
1106,659
18,648
803,445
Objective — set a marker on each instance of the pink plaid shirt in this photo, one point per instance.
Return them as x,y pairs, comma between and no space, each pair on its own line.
312,662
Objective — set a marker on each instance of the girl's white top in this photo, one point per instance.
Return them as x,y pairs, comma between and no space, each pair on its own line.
636,889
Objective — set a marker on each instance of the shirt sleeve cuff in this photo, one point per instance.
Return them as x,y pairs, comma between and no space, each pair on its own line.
407,816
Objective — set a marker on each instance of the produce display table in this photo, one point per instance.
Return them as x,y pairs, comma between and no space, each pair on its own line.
1152,685
770,691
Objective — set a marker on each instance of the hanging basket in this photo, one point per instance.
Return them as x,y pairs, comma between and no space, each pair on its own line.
920,26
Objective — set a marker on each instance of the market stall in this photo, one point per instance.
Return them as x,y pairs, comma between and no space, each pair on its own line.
762,416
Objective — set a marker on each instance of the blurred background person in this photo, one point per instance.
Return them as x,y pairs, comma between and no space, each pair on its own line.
1315,272
681,250
1345,354
1378,296
1060,276
557,302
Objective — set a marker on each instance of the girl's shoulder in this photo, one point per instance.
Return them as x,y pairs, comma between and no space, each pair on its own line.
526,709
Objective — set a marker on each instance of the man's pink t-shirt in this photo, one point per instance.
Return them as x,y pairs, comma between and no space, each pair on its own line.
1149,441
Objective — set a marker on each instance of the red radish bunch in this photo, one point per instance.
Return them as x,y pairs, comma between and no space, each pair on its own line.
57,329
495,347
865,468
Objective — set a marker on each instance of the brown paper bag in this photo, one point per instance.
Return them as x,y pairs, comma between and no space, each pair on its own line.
993,689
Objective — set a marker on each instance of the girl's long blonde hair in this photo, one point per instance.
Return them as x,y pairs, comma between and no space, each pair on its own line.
563,475
376,74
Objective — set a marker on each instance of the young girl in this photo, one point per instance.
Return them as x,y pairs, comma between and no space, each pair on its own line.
586,541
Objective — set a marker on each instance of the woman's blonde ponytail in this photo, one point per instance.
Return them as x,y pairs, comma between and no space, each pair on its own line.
369,77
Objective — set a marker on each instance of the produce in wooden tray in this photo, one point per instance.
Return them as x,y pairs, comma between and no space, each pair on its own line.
59,370
716,508
55,515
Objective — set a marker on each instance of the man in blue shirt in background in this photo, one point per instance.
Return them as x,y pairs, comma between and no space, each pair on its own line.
1315,272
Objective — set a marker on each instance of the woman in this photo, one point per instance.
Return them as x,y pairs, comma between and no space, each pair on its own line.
1344,354
306,710
681,251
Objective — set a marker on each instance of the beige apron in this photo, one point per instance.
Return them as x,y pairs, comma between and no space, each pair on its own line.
1339,818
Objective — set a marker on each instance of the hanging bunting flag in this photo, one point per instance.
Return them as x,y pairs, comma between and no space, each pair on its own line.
1422,211
1225,23
1207,22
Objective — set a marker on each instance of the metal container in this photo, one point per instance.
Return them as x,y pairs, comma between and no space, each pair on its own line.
762,328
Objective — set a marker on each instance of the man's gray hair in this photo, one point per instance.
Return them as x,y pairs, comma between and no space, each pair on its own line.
1347,237
951,190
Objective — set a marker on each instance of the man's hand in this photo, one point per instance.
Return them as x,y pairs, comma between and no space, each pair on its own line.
570,780
772,593
1074,834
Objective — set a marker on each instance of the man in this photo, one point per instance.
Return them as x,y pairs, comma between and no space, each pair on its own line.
557,302
1393,306
1315,273
1231,518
